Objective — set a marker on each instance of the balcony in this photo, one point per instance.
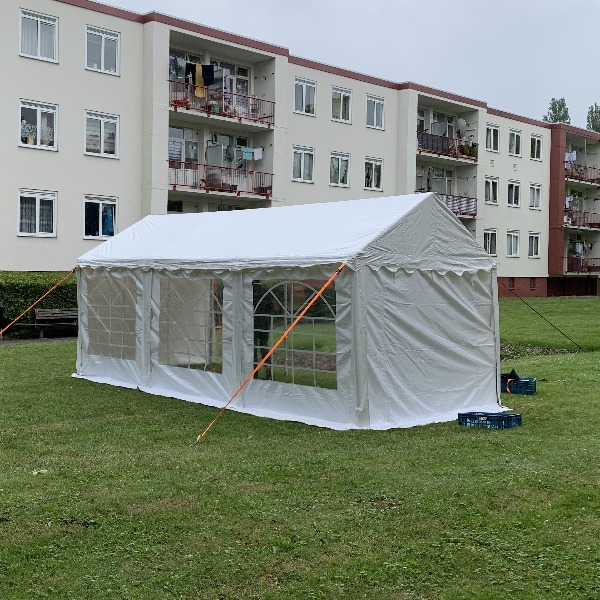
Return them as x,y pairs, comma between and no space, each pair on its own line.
210,178
213,102
428,143
584,174
581,264
579,218
461,206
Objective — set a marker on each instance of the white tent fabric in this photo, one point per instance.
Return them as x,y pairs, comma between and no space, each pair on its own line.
416,319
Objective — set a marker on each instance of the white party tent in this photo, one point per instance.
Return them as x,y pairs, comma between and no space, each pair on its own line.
407,334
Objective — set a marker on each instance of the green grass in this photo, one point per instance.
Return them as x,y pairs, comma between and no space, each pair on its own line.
103,495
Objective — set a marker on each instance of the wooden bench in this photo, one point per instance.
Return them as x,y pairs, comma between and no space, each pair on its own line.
55,318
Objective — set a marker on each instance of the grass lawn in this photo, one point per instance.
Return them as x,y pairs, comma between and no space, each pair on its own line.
102,494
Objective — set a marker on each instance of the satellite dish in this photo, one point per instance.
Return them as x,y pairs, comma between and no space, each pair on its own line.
461,127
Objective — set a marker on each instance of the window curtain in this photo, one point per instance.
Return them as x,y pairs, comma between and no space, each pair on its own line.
94,51
334,170
343,172
108,219
29,36
47,37
46,215
297,167
308,166
47,129
110,137
299,97
92,135
27,216
110,55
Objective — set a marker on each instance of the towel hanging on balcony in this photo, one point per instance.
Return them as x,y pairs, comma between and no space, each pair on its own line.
190,72
200,90
208,74
258,153
248,153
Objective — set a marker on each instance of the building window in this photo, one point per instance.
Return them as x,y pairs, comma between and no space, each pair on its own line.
341,103
534,245
100,217
338,169
491,190
492,136
101,134
302,168
536,147
514,142
421,119
37,213
304,96
375,112
38,125
535,196
514,193
532,283
511,283
373,172
102,50
512,244
489,241
39,36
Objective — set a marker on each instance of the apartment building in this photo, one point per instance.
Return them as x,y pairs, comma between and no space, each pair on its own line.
119,115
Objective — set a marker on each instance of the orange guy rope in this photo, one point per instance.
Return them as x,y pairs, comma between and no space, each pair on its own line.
38,301
276,345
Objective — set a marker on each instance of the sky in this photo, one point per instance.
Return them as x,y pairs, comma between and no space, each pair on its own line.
515,55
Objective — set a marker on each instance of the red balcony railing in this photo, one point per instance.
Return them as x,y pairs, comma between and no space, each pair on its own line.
185,96
582,264
461,206
581,173
580,218
445,146
222,179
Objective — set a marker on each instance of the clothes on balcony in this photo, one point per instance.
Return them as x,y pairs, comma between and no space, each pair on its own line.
248,153
199,90
190,73
208,74
258,153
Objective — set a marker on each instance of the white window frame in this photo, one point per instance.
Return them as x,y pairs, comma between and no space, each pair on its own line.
535,147
100,201
39,195
374,162
513,199
514,140
488,235
491,190
40,18
40,107
103,119
340,158
303,150
491,144
512,243
377,101
533,235
304,85
535,196
343,94
105,34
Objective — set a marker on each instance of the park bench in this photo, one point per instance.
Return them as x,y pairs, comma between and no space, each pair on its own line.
56,319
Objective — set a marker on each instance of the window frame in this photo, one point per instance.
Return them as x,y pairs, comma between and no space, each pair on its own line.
491,181
39,17
303,150
103,118
40,107
516,193
533,235
101,201
535,147
340,157
343,93
516,135
376,100
305,83
488,235
536,188
490,128
511,252
104,34
39,195
373,162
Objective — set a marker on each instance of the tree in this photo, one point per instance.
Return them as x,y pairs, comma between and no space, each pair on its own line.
593,118
557,112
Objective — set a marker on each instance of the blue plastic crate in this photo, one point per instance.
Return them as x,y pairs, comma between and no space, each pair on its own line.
523,385
483,420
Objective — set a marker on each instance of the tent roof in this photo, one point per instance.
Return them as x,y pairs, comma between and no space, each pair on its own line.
412,231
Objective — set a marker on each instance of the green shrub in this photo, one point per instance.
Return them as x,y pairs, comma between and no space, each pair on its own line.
20,289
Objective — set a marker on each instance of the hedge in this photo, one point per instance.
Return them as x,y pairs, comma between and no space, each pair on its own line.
20,289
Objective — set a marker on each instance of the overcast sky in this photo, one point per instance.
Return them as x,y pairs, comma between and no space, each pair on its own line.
515,55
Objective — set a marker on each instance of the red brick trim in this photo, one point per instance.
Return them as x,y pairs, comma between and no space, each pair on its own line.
507,115
410,85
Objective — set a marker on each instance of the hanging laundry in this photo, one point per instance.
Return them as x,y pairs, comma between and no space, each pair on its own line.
248,153
190,73
208,74
258,153
200,90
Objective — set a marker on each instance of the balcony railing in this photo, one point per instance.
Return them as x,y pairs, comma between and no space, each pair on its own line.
445,146
581,264
208,178
461,206
579,218
210,101
581,173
